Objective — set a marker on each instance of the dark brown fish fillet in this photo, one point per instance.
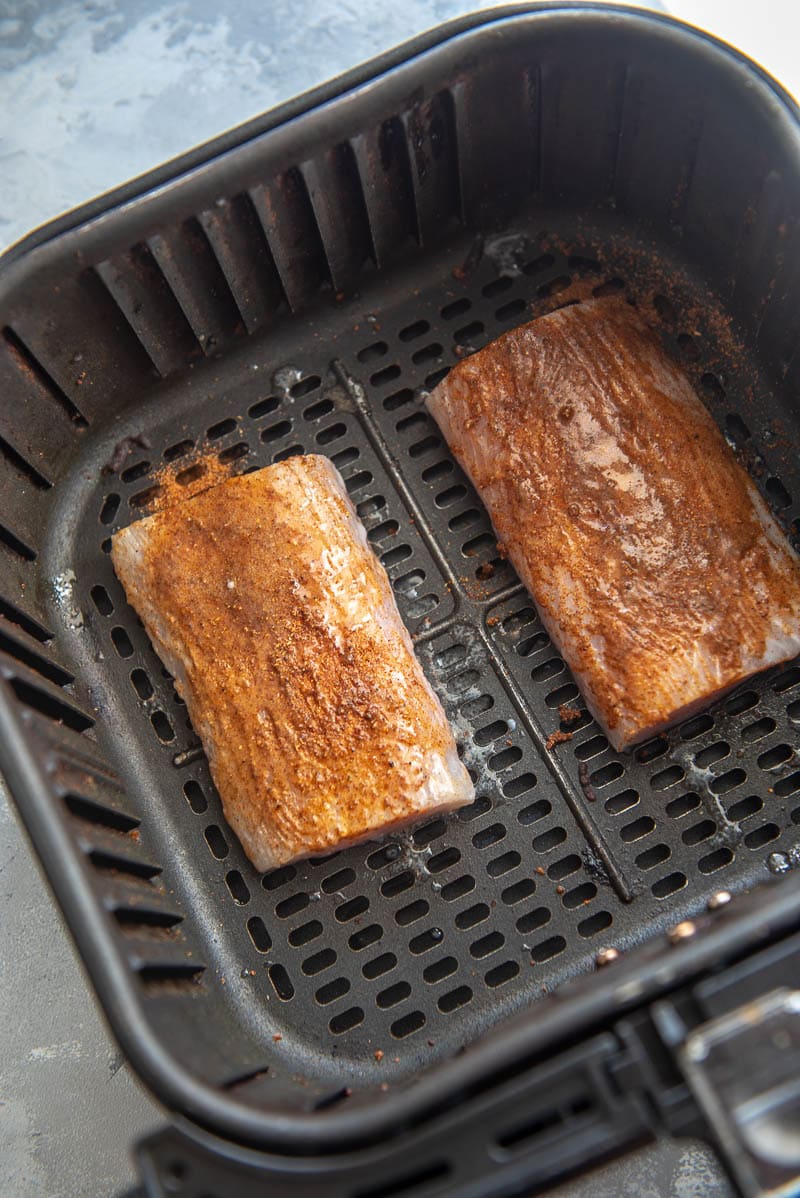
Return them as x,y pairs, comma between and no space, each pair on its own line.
655,564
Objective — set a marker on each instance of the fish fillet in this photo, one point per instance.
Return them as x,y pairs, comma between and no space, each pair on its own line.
265,602
656,567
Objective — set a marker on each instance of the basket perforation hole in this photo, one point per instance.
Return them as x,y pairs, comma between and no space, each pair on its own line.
619,803
305,933
609,287
444,860
536,265
504,760
315,411
456,308
671,884
379,966
510,310
682,805
497,286
449,495
656,855
318,962
777,492
356,482
549,840
331,991
292,905
668,777
699,832
428,353
770,759
793,711
259,935
744,701
370,352
397,884
389,528
220,429
438,470
535,644
407,1024
141,684
178,450
234,453
564,868
412,912
238,887
728,781
216,842
396,555
276,431
305,386
547,949
787,786
743,809
162,727
515,787
503,864
416,420
595,923
652,750
714,861
464,520
102,600
711,753
475,707
761,836
413,331
381,377
580,895
334,432
637,829
518,892
454,999
393,995
547,670
591,748
121,641
109,509
468,331
195,796
534,919
338,880
758,730
398,399
281,982
498,975
534,812
490,733
471,916
437,971
486,945
345,1021
131,473
279,877
457,888
696,726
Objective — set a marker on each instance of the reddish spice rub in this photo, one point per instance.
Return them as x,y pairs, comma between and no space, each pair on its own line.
279,626
656,566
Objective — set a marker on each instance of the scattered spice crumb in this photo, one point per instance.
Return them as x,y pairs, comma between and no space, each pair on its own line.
384,1086
586,786
467,268
561,890
431,1043
486,570
378,1054
557,738
492,621
539,870
502,550
396,1060
135,835
277,1037
567,714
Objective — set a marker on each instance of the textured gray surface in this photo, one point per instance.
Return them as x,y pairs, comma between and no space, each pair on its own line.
91,94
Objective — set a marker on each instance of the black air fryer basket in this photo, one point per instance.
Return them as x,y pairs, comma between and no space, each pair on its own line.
571,964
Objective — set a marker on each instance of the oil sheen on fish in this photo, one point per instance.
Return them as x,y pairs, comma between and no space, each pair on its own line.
656,566
279,626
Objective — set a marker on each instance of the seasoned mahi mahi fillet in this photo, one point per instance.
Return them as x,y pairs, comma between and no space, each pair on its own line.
656,567
265,602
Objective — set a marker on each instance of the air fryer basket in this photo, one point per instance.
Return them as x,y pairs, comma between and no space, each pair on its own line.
297,289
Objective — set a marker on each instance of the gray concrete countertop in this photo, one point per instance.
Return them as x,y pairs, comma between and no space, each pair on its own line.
92,94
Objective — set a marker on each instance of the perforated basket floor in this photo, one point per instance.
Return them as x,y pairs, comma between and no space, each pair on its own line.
358,970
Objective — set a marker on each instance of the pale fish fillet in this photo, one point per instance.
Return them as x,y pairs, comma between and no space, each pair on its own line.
656,566
265,602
